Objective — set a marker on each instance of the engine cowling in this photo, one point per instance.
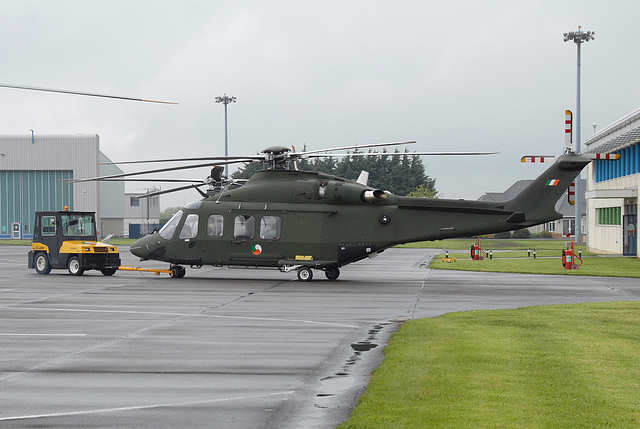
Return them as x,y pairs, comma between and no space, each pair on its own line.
335,191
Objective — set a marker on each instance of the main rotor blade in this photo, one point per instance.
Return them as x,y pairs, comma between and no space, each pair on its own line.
158,170
331,155
304,154
151,180
204,158
90,94
167,191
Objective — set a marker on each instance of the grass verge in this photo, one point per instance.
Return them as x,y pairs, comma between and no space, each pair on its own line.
552,366
609,266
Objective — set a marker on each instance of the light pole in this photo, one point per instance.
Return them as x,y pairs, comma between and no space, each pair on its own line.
578,37
226,100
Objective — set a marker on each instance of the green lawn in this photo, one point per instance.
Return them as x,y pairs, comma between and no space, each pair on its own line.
568,366
609,266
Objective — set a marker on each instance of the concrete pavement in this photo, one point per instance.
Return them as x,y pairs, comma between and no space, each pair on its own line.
227,347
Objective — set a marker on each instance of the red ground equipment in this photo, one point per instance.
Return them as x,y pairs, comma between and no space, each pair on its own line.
569,258
477,253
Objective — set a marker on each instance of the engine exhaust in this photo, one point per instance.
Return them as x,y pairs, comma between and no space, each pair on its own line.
372,196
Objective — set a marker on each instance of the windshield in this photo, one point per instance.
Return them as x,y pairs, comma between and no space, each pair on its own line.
170,227
78,225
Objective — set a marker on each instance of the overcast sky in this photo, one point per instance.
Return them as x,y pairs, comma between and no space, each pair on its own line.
452,75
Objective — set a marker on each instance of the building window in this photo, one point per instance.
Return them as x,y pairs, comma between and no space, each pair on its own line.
609,216
270,227
551,227
134,202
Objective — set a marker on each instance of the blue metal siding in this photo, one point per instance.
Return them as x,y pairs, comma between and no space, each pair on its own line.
22,193
628,164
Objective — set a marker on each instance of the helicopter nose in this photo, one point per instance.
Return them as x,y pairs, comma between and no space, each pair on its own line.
140,248
149,247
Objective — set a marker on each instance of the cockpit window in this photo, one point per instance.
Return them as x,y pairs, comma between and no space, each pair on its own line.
190,227
169,228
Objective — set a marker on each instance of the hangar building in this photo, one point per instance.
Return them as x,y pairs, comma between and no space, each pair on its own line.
34,170
612,188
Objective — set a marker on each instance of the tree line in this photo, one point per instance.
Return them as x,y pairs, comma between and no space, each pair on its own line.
400,173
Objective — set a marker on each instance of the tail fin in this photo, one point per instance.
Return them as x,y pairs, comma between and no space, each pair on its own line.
536,203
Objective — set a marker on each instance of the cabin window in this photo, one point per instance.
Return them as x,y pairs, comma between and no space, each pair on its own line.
190,227
270,227
169,228
214,226
48,226
322,191
244,226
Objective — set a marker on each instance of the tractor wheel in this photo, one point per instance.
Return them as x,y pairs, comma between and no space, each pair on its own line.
108,271
305,274
42,263
74,267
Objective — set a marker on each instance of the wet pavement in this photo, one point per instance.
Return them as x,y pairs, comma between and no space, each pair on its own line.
232,348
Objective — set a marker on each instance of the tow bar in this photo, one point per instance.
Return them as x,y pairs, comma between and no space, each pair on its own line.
155,271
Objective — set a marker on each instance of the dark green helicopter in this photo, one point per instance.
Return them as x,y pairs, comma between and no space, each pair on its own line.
300,220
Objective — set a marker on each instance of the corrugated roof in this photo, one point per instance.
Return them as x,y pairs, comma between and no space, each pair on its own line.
623,140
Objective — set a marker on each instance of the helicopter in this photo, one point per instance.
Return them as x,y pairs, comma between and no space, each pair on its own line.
295,220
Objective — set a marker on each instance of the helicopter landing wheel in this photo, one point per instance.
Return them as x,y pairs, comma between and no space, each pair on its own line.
177,271
332,273
305,274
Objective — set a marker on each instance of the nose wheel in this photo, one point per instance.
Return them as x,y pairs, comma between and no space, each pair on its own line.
177,271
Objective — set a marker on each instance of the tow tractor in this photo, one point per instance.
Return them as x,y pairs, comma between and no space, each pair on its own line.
68,239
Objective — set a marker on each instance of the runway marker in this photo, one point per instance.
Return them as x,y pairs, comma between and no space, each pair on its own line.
142,407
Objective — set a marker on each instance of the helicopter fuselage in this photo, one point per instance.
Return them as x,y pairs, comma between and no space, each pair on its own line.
298,219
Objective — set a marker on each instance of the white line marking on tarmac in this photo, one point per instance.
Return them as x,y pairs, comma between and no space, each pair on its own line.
42,335
142,407
216,316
